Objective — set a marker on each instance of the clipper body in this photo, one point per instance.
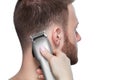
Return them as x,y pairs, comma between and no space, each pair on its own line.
41,40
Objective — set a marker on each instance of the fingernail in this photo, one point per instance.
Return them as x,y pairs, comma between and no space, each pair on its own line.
40,76
42,49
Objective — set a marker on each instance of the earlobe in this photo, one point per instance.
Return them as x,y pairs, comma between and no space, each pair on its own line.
56,36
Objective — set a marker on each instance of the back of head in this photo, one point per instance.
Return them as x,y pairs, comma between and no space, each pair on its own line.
33,16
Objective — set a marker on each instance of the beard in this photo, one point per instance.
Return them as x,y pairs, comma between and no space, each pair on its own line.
70,50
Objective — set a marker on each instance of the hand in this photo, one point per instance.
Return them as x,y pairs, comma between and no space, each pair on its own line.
40,74
59,63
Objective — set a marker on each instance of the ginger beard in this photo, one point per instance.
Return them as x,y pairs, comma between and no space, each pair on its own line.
70,50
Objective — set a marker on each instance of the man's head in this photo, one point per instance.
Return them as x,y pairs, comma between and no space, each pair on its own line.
71,36
56,16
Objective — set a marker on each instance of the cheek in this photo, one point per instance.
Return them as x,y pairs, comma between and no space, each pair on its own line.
72,38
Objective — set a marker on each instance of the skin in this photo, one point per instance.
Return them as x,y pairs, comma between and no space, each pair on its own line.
71,39
56,60
30,67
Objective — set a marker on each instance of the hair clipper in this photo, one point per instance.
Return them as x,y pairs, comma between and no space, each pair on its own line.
41,40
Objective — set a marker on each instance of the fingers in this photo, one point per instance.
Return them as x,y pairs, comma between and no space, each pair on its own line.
45,53
57,52
40,74
41,77
39,71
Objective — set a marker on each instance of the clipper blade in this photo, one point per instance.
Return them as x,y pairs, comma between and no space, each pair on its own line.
37,35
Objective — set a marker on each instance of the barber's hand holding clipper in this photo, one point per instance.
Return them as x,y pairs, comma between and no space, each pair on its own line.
59,64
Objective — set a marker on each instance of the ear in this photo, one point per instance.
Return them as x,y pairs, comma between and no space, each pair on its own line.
57,36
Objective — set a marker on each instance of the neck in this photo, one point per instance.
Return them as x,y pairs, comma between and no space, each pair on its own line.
28,68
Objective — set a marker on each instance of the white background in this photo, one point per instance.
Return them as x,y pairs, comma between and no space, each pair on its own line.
99,49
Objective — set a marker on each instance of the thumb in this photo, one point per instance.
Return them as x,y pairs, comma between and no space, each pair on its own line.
45,53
